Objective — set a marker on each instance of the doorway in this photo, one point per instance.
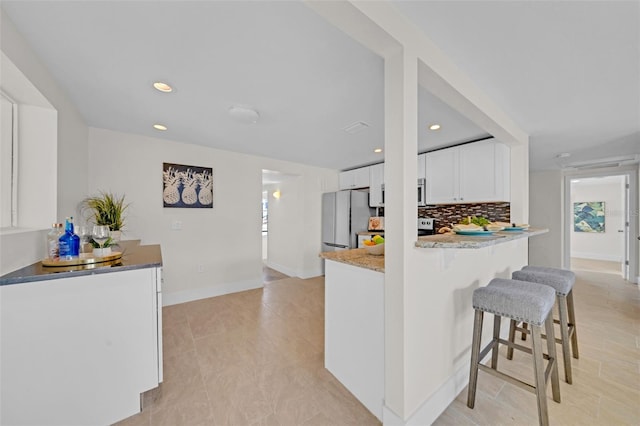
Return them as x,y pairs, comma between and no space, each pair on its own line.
281,222
599,229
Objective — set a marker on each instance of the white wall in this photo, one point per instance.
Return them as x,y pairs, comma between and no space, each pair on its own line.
286,228
224,241
608,245
69,175
72,169
546,211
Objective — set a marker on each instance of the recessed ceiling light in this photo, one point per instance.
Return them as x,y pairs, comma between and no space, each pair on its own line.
434,127
163,87
563,155
160,127
377,150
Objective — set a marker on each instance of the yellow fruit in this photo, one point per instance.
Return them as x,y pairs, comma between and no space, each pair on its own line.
378,239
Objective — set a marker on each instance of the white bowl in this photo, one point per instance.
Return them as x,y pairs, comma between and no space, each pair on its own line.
377,250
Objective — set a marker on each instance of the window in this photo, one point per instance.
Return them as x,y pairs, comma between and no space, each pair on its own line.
8,172
29,144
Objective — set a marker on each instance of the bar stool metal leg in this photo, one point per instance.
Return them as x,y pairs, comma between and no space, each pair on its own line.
538,369
497,320
475,354
551,349
572,323
512,337
564,335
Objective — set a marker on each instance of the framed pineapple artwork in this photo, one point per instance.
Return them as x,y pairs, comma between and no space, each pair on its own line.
187,186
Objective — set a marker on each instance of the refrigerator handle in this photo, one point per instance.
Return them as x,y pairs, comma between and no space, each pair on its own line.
335,245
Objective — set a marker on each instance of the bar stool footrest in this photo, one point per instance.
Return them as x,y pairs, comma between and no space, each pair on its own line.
571,331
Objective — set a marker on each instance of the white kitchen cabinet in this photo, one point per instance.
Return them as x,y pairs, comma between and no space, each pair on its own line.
80,350
356,178
470,173
376,184
442,176
354,331
422,166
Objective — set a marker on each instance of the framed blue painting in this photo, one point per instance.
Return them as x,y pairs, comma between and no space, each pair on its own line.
588,216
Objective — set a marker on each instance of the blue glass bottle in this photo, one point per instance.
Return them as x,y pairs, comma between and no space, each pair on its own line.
69,242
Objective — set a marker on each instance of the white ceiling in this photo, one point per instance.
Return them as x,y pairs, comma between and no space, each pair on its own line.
566,72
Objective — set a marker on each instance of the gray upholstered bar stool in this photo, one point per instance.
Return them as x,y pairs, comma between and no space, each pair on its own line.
562,282
527,302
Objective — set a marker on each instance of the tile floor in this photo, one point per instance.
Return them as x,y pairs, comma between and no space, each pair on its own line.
606,378
250,358
256,358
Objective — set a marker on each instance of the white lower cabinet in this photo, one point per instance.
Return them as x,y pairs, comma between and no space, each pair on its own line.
80,350
354,331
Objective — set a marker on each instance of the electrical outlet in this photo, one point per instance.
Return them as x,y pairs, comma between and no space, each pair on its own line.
176,225
200,269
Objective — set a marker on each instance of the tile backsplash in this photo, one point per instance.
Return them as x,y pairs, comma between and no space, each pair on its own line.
453,213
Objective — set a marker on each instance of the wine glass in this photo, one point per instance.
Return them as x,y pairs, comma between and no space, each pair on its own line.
100,234
82,231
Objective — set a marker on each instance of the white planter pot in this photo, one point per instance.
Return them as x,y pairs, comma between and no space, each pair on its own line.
102,252
116,236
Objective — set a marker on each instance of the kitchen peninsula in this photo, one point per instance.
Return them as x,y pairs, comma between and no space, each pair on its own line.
80,344
452,266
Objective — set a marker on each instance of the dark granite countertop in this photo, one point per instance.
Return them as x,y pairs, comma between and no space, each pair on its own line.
134,256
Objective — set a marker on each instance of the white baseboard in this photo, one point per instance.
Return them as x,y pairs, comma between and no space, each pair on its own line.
209,291
431,409
281,268
304,274
310,273
596,256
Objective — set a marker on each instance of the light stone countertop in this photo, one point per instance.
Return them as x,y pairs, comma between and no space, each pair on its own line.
360,257
451,240
356,257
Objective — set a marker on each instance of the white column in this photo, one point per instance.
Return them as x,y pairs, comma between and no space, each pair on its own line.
401,147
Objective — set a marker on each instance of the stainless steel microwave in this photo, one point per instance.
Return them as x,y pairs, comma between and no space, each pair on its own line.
422,192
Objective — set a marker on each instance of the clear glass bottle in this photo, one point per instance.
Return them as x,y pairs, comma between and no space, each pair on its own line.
69,242
52,245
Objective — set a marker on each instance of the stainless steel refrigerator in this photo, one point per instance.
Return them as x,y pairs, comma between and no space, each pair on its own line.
344,214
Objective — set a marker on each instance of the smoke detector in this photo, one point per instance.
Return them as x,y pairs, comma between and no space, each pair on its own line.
244,114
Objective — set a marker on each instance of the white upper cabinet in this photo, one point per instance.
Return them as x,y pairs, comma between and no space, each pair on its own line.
376,180
484,171
356,178
422,166
442,176
471,173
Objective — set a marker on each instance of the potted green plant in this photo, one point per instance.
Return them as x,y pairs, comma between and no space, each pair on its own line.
106,209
